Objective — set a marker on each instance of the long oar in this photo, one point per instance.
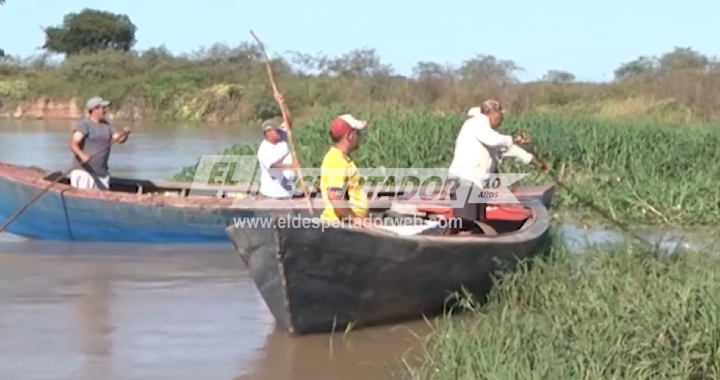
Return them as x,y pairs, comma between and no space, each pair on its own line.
22,209
286,119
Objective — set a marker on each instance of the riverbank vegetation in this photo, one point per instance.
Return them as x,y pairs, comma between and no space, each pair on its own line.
621,313
228,83
642,172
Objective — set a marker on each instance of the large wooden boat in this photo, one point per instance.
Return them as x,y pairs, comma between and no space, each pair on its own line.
137,210
319,280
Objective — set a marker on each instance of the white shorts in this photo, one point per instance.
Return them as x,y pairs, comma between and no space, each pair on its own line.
83,180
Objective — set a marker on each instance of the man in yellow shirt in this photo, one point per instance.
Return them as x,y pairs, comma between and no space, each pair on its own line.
341,186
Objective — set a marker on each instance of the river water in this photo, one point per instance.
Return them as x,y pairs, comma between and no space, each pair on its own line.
126,311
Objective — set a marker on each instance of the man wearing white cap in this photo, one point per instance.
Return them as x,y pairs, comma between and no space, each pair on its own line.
90,145
342,194
478,151
277,178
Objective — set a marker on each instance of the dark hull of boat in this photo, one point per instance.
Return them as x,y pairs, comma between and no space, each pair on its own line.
316,281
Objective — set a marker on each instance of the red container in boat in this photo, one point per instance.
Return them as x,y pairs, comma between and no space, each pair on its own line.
502,212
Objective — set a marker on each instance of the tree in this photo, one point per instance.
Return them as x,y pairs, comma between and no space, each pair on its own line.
487,68
557,76
426,71
358,63
639,67
91,31
431,78
680,59
683,59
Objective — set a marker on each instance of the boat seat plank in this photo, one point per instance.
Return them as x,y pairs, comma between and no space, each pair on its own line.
411,229
53,176
486,229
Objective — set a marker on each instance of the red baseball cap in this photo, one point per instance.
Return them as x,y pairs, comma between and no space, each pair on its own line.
346,123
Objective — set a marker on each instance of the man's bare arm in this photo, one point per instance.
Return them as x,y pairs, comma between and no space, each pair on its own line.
75,140
342,205
339,203
122,136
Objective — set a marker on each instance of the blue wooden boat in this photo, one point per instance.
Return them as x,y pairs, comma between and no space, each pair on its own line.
136,210
133,211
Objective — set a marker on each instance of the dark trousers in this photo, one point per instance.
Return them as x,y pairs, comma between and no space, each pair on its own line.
469,209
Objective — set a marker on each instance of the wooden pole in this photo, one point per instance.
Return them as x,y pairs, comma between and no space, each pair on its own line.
286,119
623,227
22,209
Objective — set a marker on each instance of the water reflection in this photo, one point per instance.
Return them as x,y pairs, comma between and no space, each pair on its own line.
94,322
367,354
94,311
577,238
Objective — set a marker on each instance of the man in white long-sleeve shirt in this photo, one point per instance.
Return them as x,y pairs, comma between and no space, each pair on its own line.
276,163
478,150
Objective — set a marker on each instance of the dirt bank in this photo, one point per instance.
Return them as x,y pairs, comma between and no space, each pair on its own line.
45,108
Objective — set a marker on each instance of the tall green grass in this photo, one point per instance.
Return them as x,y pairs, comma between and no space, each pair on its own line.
641,172
624,313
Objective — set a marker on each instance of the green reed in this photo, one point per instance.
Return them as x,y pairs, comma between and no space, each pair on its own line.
654,174
623,314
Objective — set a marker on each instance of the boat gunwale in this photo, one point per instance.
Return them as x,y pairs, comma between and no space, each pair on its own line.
33,176
528,232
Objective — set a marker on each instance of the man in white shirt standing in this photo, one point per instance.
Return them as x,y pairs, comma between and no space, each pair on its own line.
277,169
478,151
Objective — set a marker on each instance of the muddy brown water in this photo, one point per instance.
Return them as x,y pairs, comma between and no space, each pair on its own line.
119,311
